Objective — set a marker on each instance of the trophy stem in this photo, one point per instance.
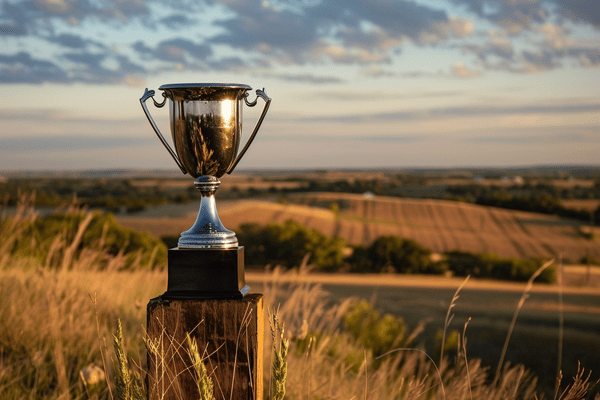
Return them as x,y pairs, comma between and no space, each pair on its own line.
207,232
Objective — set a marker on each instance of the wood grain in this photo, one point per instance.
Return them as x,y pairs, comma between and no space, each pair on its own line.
230,337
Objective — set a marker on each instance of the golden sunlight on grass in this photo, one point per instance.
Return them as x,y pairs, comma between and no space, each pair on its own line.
57,315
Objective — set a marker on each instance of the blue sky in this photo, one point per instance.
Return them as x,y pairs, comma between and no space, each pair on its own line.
355,84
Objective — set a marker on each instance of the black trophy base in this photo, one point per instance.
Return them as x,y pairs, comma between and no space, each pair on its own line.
202,274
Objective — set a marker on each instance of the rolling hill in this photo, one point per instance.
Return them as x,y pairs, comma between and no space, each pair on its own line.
437,224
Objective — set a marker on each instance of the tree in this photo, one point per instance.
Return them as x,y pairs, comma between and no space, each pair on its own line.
102,233
403,255
287,244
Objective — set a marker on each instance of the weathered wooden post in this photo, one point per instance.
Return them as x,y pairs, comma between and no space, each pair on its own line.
206,304
227,326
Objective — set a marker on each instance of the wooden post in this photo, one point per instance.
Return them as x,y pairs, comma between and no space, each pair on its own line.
230,338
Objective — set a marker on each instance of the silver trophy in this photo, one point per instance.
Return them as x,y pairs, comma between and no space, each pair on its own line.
206,128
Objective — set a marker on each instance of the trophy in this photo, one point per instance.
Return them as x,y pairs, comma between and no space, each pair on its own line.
206,129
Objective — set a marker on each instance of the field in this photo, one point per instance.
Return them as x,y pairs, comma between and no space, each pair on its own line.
58,312
56,324
589,205
439,225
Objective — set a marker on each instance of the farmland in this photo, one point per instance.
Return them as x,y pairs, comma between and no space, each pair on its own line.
439,225
76,296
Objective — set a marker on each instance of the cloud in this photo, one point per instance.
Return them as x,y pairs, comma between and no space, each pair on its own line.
357,32
396,18
421,74
235,64
270,34
549,46
534,134
176,21
108,9
588,56
71,142
377,71
460,71
305,78
22,67
37,17
453,112
512,15
174,50
181,50
586,11
104,67
366,96
62,117
70,41
282,34
539,61
498,47
517,15
15,19
559,43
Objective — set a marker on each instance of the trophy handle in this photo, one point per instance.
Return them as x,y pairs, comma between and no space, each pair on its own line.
267,99
150,94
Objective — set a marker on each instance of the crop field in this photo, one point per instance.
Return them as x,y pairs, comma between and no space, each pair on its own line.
445,226
439,225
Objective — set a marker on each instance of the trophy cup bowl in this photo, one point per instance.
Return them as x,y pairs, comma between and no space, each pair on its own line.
206,129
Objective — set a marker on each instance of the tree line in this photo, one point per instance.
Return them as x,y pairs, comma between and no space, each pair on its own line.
286,244
120,194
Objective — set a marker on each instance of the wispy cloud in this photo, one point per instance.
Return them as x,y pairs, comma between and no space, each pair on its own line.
50,115
305,78
537,135
451,112
71,143
376,95
548,46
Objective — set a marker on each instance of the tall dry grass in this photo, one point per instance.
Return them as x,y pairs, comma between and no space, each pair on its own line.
57,319
57,316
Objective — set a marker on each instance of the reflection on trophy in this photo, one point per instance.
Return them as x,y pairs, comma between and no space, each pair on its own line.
206,128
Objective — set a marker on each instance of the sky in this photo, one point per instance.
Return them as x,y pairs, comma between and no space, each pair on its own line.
355,83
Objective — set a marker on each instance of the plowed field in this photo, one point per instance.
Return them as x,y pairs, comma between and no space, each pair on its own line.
436,224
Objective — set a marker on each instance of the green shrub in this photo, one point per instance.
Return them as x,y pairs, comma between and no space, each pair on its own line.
451,341
38,239
287,244
394,253
489,265
378,334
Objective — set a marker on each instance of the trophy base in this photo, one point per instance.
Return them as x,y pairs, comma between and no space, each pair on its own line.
211,240
207,232
199,274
